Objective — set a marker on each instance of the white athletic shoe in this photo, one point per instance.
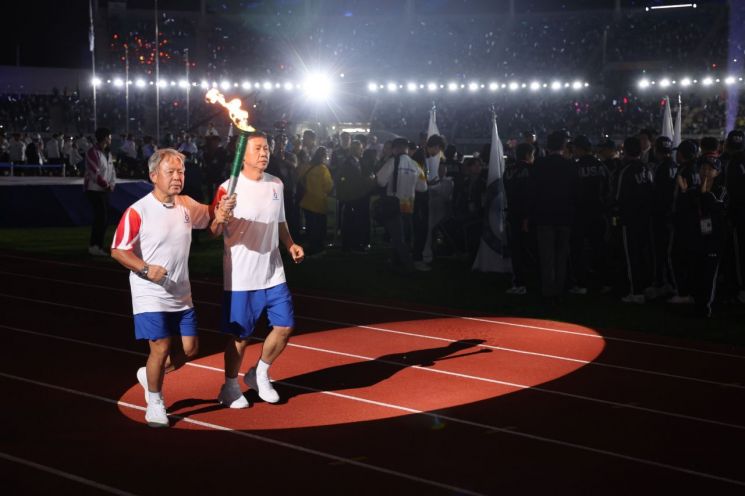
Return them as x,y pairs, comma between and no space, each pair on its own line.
232,397
634,298
96,251
517,290
142,379
155,415
681,300
262,385
577,290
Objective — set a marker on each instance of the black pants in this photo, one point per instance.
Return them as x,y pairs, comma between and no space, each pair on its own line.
355,228
421,224
738,238
99,201
704,266
637,248
522,253
590,231
315,225
553,250
662,235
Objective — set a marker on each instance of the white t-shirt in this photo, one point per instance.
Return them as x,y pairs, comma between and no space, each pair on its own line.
161,235
251,258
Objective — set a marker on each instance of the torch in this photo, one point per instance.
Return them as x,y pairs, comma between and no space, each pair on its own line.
240,119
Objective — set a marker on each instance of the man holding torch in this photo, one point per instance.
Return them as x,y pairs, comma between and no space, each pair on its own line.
254,278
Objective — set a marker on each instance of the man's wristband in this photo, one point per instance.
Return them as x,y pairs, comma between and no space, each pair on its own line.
143,271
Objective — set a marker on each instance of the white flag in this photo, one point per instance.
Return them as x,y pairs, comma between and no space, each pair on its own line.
432,126
667,120
677,128
91,41
492,255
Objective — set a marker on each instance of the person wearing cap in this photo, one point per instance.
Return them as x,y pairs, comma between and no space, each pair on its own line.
701,212
684,233
520,237
529,137
645,138
590,223
634,198
662,228
733,162
615,258
553,198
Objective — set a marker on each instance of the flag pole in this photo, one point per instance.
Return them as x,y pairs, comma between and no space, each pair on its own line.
92,47
188,87
157,79
126,87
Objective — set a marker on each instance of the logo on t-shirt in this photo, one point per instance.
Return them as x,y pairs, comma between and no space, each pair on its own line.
186,217
274,194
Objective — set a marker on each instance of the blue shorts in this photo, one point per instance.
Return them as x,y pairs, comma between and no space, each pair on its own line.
159,325
241,309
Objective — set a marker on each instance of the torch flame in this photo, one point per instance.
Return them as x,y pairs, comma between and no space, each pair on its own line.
237,114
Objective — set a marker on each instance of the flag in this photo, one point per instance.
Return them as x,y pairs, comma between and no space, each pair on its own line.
432,126
667,120
677,128
493,254
91,38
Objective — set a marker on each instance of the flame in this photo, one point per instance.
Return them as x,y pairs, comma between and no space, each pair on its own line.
237,114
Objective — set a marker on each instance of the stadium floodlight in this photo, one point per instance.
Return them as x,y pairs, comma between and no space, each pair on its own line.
577,85
391,87
686,81
204,84
246,85
257,85
729,80
556,85
289,86
493,86
473,86
707,81
268,86
173,83
372,87
225,85
411,87
514,86
664,83
96,82
118,82
432,86
183,83
675,6
162,83
535,86
452,87
318,87
644,83
140,83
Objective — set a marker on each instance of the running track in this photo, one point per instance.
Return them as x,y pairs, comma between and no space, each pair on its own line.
379,398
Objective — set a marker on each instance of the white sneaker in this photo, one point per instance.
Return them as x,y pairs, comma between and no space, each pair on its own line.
422,267
262,385
633,298
142,379
96,251
577,290
681,300
155,415
741,296
517,290
232,397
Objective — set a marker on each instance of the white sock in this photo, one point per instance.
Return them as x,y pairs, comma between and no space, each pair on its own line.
232,382
262,368
152,397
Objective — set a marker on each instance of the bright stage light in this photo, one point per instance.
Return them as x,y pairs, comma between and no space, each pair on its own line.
707,81
162,83
118,82
493,86
318,87
644,83
514,86
556,85
685,81
411,87
140,83
96,82
246,85
392,87
289,86
664,83
432,86
729,80
577,85
372,87
173,83
452,86
268,86
535,86
473,86
183,83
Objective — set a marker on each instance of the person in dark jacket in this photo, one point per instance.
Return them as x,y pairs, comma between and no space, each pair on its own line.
520,239
702,209
734,161
553,193
634,197
590,222
662,209
353,189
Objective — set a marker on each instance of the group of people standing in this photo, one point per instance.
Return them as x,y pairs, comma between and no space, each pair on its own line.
653,222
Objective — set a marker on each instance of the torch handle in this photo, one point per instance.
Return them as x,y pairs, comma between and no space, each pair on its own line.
240,151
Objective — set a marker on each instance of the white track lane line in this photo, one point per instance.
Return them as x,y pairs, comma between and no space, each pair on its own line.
594,363
612,404
268,440
430,313
376,468
63,474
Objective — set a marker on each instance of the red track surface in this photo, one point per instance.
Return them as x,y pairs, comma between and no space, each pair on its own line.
376,398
